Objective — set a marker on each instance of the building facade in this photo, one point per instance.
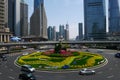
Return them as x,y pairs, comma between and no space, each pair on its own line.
94,19
38,20
114,19
4,30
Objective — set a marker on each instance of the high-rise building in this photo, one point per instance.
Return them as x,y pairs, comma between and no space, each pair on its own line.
54,33
114,17
24,18
50,33
18,17
57,36
95,19
4,30
38,21
62,31
11,15
2,15
67,32
17,27
80,31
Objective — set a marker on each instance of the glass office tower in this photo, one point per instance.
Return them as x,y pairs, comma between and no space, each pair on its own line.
37,3
114,17
94,19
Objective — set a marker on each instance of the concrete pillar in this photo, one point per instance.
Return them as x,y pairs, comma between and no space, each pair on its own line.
8,38
4,38
1,38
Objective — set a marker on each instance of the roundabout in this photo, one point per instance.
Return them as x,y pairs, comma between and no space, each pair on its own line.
110,71
64,60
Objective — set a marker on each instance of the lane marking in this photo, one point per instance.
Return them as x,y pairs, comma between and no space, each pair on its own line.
11,77
11,69
0,73
5,66
110,68
100,72
110,76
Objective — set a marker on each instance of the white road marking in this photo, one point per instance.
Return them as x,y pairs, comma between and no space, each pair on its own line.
11,69
11,77
0,73
5,66
110,76
100,72
116,65
39,76
110,68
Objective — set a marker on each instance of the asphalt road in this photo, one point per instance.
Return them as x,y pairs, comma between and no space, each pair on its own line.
111,71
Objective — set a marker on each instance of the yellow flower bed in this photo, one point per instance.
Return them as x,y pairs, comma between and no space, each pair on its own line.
43,59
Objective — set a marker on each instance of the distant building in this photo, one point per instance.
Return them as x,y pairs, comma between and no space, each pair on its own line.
50,33
95,19
80,31
38,21
57,36
54,33
61,31
114,19
67,32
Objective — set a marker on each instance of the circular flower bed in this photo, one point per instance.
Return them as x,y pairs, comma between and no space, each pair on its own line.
69,59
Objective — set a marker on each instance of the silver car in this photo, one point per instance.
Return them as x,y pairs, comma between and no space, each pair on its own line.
86,71
27,68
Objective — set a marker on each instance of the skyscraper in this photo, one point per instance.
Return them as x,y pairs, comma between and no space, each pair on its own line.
94,19
17,30
54,33
17,17
38,20
50,33
24,18
11,15
67,32
61,31
80,31
114,17
37,3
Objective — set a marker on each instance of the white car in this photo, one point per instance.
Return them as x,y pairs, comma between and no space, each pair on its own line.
25,53
86,71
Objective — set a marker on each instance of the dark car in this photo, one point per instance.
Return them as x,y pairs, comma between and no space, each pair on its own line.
117,55
27,76
3,57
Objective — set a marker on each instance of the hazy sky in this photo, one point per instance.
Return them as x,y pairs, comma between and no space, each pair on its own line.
62,12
